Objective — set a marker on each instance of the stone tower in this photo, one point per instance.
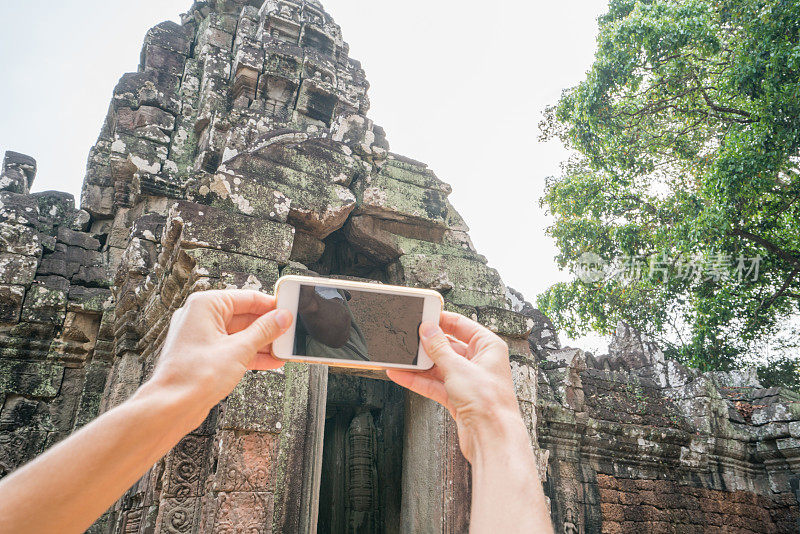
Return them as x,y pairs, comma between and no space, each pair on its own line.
240,151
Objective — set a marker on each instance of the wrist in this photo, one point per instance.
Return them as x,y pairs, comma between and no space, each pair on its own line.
181,405
500,425
501,431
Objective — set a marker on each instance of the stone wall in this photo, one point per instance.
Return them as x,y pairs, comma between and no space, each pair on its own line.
241,151
640,444
54,299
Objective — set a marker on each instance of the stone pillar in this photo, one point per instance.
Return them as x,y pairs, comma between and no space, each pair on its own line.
18,173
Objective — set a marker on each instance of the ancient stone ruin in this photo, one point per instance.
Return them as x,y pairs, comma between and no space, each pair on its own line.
241,151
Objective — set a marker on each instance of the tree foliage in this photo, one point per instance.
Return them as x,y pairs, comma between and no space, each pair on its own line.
687,128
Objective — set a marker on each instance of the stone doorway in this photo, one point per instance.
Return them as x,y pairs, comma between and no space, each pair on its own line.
360,489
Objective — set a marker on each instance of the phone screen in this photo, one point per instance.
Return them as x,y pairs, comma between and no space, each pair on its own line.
347,324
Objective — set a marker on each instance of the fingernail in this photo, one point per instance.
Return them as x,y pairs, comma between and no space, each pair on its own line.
429,329
283,318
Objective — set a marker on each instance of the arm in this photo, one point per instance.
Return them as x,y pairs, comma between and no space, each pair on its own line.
327,320
212,341
472,379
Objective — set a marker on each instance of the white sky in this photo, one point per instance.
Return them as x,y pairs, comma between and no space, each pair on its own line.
458,85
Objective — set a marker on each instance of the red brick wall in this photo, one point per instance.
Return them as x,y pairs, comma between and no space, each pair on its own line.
661,506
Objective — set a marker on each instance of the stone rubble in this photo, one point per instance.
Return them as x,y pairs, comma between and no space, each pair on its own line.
241,151
640,444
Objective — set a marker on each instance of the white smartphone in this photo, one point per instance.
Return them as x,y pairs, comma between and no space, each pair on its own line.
355,324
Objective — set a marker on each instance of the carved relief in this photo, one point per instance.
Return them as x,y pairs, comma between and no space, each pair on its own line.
178,515
245,461
570,522
243,512
133,522
362,475
187,467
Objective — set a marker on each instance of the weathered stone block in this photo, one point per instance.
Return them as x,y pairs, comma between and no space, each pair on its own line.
307,249
466,282
159,59
794,429
89,299
330,161
11,299
775,413
17,208
98,200
169,36
257,403
19,412
249,512
20,446
92,393
386,198
45,304
319,206
242,194
216,31
505,322
18,239
16,269
18,173
136,155
92,276
209,227
129,120
32,379
55,208
77,239
283,60
246,461
149,88
216,264
387,240
414,174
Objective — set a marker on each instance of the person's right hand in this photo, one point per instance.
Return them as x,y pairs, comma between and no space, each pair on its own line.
471,378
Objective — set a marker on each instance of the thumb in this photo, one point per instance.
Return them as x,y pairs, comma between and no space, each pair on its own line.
437,346
264,330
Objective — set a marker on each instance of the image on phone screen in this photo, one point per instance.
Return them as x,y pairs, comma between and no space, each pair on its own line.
346,324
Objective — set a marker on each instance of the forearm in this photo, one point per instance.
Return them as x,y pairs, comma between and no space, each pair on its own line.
507,495
70,486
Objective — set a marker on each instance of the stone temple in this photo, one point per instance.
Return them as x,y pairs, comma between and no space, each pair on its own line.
242,150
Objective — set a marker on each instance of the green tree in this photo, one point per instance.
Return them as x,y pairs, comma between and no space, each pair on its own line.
687,130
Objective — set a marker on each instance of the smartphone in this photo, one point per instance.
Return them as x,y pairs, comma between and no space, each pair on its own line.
355,324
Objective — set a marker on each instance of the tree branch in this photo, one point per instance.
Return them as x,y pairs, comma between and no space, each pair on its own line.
772,247
766,304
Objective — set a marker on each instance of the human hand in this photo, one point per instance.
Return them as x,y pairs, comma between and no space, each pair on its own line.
471,378
212,341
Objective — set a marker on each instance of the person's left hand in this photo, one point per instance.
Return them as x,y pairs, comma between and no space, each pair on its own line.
213,340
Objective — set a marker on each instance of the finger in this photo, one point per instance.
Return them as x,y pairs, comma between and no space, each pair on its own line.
458,346
264,330
437,346
249,302
435,373
265,362
237,323
466,330
420,384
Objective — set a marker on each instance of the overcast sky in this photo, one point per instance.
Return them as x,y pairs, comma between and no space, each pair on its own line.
458,85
